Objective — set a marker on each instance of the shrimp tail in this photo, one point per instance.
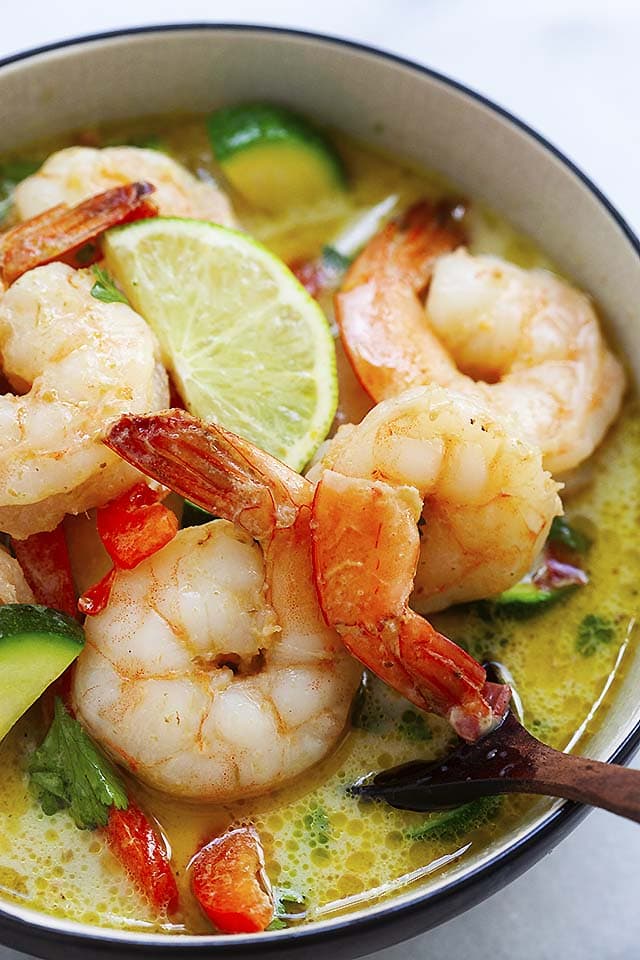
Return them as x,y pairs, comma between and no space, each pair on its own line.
212,467
378,313
452,682
365,551
62,232
407,247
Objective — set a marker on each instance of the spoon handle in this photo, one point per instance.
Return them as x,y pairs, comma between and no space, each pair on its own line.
603,785
509,760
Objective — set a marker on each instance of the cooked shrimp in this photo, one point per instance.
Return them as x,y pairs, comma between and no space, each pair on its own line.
488,503
211,674
523,342
69,234
77,173
75,363
13,586
487,506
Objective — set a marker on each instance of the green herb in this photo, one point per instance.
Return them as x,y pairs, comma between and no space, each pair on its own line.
68,772
454,823
104,288
286,901
414,727
318,824
562,532
593,633
334,260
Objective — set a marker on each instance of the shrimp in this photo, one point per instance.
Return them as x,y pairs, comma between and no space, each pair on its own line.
74,363
70,234
211,674
76,173
523,342
487,506
13,586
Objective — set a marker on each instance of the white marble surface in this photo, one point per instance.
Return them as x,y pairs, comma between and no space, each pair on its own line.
571,68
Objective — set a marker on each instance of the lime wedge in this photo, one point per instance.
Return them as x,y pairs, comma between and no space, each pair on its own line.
247,346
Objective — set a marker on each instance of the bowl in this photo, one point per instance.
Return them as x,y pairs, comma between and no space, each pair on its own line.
405,108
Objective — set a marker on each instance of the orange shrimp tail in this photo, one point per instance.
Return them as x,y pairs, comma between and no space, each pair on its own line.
378,311
365,551
452,682
373,653
212,467
60,233
406,248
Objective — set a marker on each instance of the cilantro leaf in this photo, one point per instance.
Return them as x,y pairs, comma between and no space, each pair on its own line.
452,824
104,288
593,633
67,771
318,824
289,905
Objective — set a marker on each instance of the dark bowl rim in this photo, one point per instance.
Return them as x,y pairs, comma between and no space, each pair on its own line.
560,820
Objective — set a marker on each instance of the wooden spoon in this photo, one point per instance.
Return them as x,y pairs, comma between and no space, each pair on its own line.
509,760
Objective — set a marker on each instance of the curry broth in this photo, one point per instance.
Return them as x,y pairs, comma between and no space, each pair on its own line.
332,850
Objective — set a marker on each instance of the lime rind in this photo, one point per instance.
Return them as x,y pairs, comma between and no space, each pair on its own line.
247,345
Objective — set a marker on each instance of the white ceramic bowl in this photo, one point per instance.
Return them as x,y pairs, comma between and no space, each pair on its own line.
490,155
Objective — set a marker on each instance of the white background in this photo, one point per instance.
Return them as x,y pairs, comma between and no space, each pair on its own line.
571,68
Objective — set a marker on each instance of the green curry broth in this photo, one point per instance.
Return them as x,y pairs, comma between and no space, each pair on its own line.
332,849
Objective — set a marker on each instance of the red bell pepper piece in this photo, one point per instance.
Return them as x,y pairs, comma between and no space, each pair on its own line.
132,527
44,558
227,881
135,525
94,600
138,846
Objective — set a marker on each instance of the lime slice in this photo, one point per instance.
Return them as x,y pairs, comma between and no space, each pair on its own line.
273,157
247,346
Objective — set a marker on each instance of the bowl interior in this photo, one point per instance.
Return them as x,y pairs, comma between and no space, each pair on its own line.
391,105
